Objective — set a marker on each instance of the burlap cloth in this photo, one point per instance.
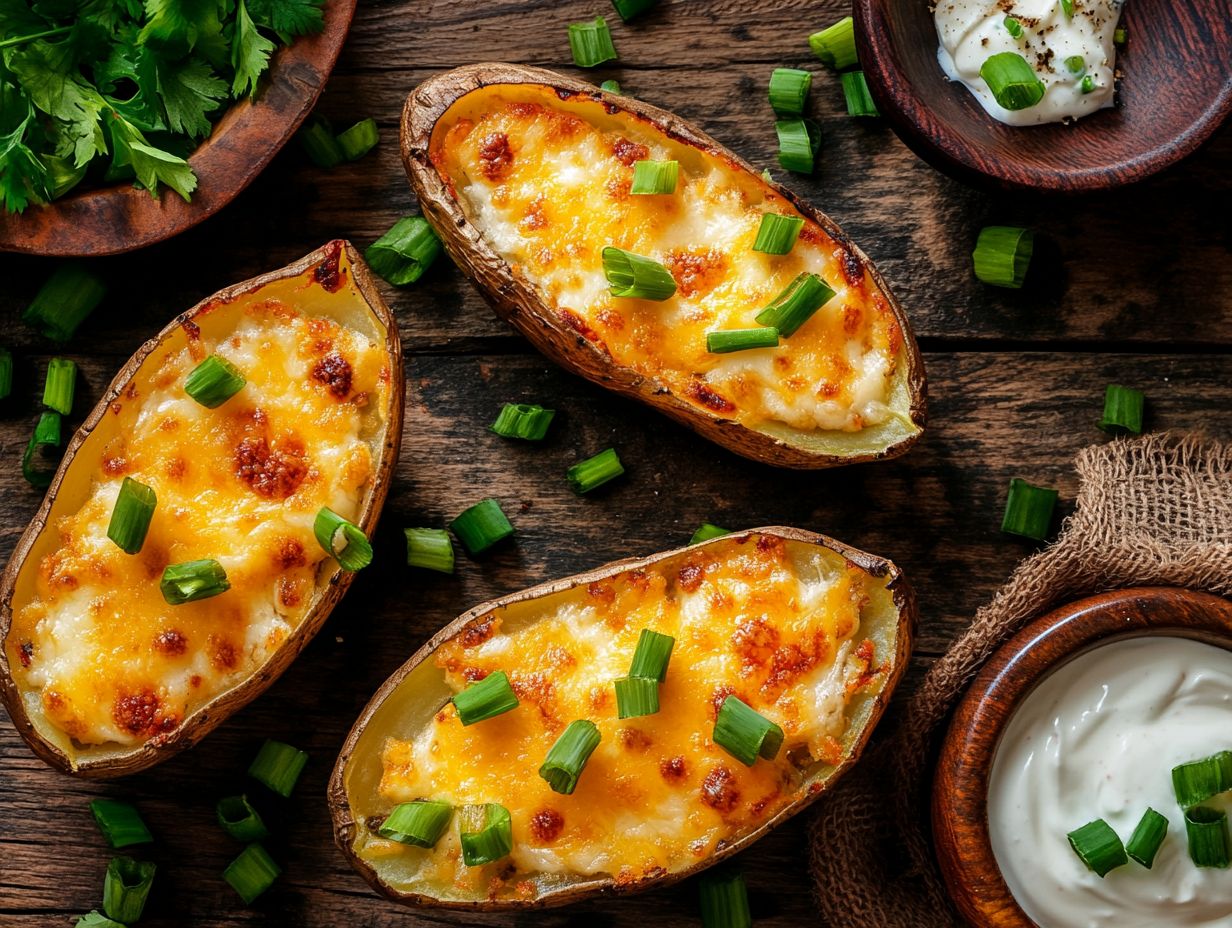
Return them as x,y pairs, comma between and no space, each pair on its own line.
1155,510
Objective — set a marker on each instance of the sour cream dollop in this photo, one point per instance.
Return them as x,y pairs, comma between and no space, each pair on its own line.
1098,739
971,31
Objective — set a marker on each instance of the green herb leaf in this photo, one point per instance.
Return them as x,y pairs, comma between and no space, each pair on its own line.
250,53
190,89
151,165
289,17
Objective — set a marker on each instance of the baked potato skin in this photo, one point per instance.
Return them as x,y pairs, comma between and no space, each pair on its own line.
516,301
322,266
340,809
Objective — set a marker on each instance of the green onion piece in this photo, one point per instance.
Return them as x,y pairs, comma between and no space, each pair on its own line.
403,253
64,301
360,139
342,540
1002,255
724,900
796,304
1098,846
630,8
430,548
1012,26
789,89
6,373
97,920
1011,80
420,823
723,342
652,177
636,276
651,656
568,756
1120,35
1076,64
482,526
836,45
610,87
319,142
486,833
1028,510
799,142
46,435
594,472
240,820
120,823
1087,85
706,531
855,91
1123,408
59,386
636,696
1144,843
214,381
1199,780
745,733
1067,7
278,766
131,515
126,887
1207,830
490,697
777,234
522,420
193,580
252,873
591,43
63,175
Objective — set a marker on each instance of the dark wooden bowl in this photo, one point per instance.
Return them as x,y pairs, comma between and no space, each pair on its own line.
1175,91
960,790
118,218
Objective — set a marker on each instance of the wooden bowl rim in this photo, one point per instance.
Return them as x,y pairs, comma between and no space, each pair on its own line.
1011,674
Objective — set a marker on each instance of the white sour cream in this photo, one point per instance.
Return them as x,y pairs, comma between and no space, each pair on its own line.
1098,739
971,31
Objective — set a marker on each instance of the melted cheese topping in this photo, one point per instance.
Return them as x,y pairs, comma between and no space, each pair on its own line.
547,184
657,794
111,660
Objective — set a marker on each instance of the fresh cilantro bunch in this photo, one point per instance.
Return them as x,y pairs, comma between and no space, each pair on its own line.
123,90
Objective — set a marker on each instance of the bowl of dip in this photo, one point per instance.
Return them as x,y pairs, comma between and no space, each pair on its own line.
1108,113
1082,716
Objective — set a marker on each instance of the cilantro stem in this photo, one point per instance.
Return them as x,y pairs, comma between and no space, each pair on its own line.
9,43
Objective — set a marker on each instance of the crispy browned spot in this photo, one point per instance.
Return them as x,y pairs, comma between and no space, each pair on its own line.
697,272
536,688
719,791
811,234
546,826
495,156
853,268
290,554
633,739
755,641
701,392
673,769
627,152
690,576
223,654
288,593
535,217
477,631
721,692
771,544
195,680
171,641
612,319
334,371
274,473
601,590
579,325
113,466
136,712
853,317
328,273
25,653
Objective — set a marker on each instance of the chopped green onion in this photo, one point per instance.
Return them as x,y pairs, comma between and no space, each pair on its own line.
482,526
789,89
60,384
630,8
120,823
636,276
723,342
240,820
403,253
522,420
490,697
278,766
1076,64
131,515
96,919
342,540
360,139
63,175
797,303
46,435
745,733
1144,843
1199,780
193,580
594,472
486,833
1087,85
1098,846
1120,35
1028,510
64,301
836,45
1012,26
430,548
1002,255
6,373
706,531
1123,408
610,87
724,900
653,177
568,756
1067,7
591,43
321,145
420,823
214,381
651,656
1207,830
636,696
855,90
252,873
1011,80
126,887
799,142
777,234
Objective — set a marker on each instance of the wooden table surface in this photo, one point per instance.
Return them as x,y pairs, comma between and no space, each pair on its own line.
1132,287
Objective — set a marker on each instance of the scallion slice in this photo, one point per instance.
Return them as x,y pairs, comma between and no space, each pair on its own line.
1197,781
320,144
126,887
745,733
1207,830
1076,64
594,472
591,43
1028,510
568,756
131,515
405,252
610,87
214,381
1088,84
636,276
799,142
1012,26
429,548
1123,408
64,301
1002,255
636,696
252,873
725,341
1144,843
342,540
360,139
120,823
724,900
240,820
777,234
420,823
655,177
6,373
1120,35
60,385
490,697
1067,7
836,45
97,919
630,8
485,832
278,766
482,526
855,90
523,420
789,89
46,435
193,580
1012,82
706,531
651,656
1098,846
797,303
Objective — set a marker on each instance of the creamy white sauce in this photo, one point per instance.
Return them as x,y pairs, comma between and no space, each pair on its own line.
972,31
1098,739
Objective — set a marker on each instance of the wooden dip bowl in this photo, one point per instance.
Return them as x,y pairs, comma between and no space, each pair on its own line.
960,789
